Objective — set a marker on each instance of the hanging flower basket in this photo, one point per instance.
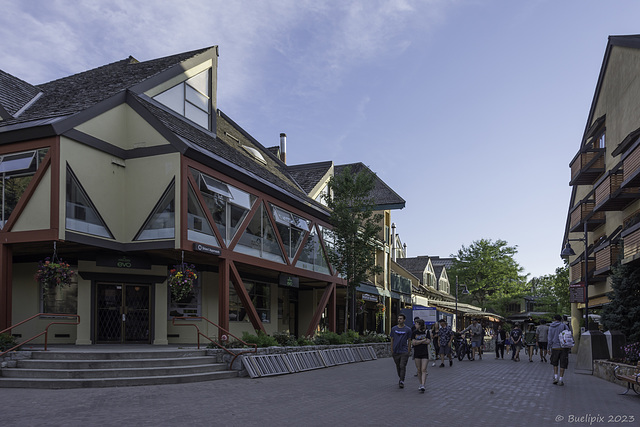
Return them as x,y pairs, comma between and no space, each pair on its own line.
181,279
360,304
380,308
53,273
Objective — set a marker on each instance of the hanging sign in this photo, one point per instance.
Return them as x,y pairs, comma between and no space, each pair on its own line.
206,249
577,292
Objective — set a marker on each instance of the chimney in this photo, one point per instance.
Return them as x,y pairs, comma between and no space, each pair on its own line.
393,241
283,148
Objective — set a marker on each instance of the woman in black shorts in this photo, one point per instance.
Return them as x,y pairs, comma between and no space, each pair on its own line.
420,340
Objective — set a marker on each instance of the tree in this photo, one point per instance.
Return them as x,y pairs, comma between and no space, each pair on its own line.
623,311
355,227
491,274
552,291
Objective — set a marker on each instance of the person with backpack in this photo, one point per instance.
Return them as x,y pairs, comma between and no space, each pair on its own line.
516,342
560,344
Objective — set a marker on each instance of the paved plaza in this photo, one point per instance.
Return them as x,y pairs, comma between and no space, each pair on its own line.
471,393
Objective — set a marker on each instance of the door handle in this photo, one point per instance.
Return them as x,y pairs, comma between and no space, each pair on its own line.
124,317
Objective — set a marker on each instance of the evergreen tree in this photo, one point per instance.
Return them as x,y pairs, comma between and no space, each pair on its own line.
623,311
355,228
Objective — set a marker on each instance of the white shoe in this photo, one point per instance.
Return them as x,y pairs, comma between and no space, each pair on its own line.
433,364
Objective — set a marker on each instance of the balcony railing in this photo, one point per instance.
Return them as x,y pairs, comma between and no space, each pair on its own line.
631,167
632,243
587,167
610,197
584,212
606,257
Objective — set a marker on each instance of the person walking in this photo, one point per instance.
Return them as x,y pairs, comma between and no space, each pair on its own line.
516,342
420,340
542,335
445,335
401,347
501,336
530,340
435,341
477,334
559,355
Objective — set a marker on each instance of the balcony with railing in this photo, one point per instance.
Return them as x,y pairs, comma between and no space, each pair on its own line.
609,196
631,167
587,167
631,239
605,257
583,212
577,270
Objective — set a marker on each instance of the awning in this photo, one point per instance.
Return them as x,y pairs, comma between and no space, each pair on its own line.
466,310
402,297
369,289
418,300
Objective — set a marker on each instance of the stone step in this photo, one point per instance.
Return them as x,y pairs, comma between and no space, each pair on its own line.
115,355
112,382
112,363
110,373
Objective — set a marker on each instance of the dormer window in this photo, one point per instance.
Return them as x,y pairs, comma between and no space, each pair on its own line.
191,99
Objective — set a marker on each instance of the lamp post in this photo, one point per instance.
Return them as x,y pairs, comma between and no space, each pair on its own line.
465,291
566,253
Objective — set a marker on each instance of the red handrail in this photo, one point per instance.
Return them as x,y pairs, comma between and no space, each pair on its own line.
235,355
46,329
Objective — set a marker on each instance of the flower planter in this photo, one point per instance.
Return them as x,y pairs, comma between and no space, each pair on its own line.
604,369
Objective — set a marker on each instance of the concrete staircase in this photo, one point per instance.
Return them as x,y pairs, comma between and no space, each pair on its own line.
85,369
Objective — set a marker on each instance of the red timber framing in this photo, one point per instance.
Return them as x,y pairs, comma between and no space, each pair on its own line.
8,238
228,261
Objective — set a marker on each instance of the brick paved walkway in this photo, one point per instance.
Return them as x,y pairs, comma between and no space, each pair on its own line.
487,392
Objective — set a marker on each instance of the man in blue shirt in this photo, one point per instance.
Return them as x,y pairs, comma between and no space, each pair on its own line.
401,347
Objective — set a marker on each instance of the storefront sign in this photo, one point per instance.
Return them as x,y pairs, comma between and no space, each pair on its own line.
206,249
428,314
368,297
122,261
576,293
289,281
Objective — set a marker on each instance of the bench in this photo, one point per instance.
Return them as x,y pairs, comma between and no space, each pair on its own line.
632,379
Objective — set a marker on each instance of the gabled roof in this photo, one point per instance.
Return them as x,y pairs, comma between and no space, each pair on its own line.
309,175
73,94
445,262
15,94
383,196
415,265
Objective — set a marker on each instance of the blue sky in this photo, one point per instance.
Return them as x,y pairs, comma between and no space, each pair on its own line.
471,110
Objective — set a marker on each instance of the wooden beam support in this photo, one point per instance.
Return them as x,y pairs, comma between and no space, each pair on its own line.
315,321
241,290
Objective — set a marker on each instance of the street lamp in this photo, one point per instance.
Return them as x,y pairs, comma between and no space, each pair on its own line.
465,291
566,253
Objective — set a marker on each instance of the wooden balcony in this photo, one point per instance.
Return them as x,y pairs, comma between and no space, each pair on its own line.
609,196
577,271
584,212
587,167
606,257
631,243
631,167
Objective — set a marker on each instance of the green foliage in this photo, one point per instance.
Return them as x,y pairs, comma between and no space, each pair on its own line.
7,341
261,340
285,339
305,341
328,338
490,272
372,337
623,312
355,227
552,291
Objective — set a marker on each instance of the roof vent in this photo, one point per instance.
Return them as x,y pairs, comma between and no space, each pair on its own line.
255,153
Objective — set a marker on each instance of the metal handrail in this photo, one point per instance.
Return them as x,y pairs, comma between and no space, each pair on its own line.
235,355
45,332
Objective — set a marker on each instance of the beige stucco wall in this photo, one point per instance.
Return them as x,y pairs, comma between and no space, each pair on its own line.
36,214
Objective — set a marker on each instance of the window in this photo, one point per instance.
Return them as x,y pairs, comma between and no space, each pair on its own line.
260,295
259,238
313,257
228,205
60,299
601,141
198,229
17,170
161,223
292,229
81,214
190,307
191,99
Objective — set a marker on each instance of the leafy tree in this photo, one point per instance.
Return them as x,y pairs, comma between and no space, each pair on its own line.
491,274
623,311
355,227
552,291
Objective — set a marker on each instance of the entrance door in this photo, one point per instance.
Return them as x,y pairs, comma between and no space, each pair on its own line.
122,313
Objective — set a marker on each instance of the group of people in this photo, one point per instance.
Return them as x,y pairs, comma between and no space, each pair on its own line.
419,337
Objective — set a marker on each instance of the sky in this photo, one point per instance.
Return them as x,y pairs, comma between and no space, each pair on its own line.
470,110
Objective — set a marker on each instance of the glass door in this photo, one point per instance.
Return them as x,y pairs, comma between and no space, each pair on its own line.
123,313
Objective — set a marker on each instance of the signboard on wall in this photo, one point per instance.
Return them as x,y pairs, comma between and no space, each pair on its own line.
428,314
577,293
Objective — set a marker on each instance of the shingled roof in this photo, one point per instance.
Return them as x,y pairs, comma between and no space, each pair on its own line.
14,95
308,175
383,195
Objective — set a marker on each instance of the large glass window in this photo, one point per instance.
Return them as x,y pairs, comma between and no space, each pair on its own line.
17,170
259,238
228,205
260,295
191,98
313,257
292,229
81,214
61,299
161,223
199,229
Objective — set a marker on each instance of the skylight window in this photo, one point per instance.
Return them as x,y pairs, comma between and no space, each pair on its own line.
190,99
255,153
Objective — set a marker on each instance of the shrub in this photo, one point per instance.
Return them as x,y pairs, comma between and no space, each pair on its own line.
631,353
305,340
285,339
7,341
372,336
261,340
